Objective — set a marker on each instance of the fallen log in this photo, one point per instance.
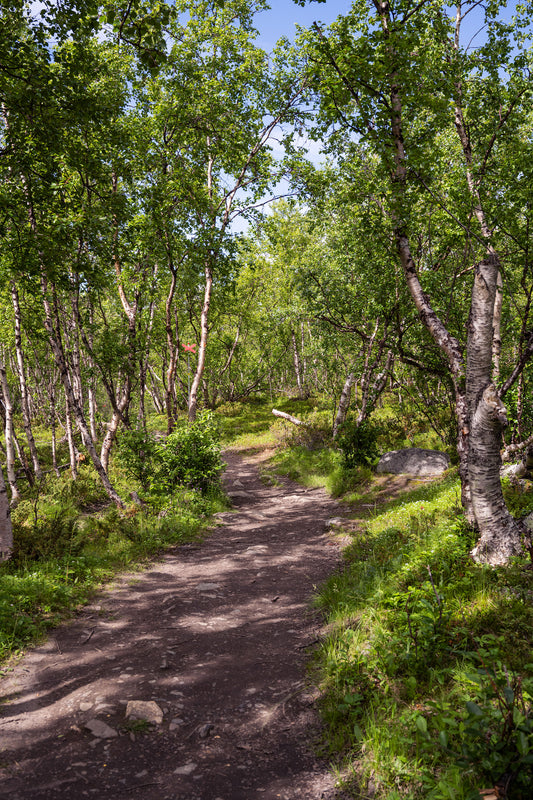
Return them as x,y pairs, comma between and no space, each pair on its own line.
288,417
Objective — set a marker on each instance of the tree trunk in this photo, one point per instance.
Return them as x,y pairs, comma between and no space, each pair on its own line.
9,436
202,348
72,449
23,386
297,365
500,534
59,355
173,351
6,530
54,438
288,417
344,403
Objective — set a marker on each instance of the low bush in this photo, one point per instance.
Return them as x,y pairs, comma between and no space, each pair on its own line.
51,536
359,443
191,457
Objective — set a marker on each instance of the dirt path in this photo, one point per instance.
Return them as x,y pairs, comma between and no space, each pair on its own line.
217,637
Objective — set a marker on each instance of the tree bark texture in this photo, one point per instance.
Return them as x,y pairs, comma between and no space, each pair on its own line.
202,348
500,534
6,530
9,437
26,418
344,403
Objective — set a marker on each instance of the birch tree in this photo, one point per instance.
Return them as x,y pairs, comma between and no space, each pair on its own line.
397,76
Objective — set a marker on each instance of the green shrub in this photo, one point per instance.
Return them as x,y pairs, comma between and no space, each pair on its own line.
136,453
190,457
84,492
358,443
50,536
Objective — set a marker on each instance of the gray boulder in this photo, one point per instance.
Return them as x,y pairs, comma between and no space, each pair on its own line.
414,461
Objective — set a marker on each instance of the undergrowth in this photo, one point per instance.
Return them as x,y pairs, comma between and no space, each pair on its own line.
427,673
69,540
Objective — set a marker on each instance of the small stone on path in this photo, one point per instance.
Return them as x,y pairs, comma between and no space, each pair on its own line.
334,522
100,729
186,769
144,709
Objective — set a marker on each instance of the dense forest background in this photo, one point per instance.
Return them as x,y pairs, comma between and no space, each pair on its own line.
136,141
169,248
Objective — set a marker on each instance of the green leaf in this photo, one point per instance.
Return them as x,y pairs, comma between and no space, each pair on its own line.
508,694
474,709
522,742
421,724
358,733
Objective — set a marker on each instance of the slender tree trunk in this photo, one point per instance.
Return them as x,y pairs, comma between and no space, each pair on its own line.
154,392
54,437
72,449
6,530
23,385
344,403
112,428
297,365
202,348
54,338
173,352
9,437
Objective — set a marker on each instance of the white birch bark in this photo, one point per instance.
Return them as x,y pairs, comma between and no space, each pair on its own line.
202,347
9,437
344,403
23,385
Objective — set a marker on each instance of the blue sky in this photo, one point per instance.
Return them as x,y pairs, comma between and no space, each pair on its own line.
284,15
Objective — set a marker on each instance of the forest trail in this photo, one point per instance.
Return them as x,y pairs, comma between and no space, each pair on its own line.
217,636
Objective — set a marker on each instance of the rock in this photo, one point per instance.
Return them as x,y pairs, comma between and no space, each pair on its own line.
100,729
85,706
414,461
186,769
334,522
144,709
205,730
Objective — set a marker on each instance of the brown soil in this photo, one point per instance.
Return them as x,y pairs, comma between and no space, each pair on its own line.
216,634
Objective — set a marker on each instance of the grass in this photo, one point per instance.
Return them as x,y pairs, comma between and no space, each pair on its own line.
69,540
427,672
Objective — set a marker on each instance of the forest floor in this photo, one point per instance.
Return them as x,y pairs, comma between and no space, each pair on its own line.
216,637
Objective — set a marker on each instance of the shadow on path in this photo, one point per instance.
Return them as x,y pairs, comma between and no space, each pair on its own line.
217,636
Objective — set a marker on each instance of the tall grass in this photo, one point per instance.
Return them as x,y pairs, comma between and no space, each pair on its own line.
427,673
